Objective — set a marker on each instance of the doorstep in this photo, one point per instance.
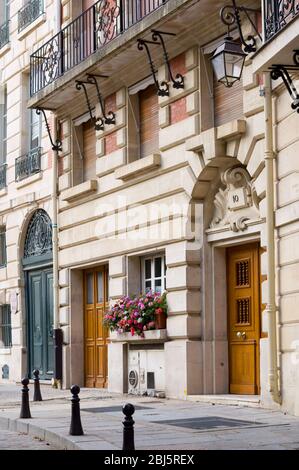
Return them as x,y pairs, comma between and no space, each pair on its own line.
253,401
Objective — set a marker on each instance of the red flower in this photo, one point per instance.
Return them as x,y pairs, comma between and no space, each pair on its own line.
159,311
132,331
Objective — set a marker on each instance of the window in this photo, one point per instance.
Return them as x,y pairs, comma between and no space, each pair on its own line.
143,120
34,130
84,150
5,326
154,274
4,11
2,247
3,125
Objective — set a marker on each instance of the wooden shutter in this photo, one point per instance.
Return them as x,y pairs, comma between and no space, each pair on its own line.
89,151
228,102
87,4
149,121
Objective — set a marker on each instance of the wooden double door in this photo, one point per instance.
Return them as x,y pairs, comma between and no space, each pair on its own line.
244,307
95,333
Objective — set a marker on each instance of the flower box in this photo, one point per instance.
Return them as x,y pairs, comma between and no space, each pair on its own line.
152,336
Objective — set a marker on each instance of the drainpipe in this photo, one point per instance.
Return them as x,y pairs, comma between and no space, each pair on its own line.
271,304
57,336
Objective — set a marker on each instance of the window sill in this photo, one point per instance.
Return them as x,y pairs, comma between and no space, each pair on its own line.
29,180
4,49
37,22
5,351
3,191
151,336
81,190
139,167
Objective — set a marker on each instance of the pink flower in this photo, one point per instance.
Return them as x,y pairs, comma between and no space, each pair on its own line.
151,324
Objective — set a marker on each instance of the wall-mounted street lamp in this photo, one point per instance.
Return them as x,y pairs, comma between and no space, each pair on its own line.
228,59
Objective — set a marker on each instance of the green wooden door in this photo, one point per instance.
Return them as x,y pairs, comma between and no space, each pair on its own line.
40,322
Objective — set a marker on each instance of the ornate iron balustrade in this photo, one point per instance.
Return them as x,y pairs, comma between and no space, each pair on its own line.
4,34
28,164
277,14
29,12
3,175
93,29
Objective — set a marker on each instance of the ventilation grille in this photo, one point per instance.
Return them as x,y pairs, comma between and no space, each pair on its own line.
242,273
243,311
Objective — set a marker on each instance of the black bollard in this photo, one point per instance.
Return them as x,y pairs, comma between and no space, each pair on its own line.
25,410
37,396
76,426
128,422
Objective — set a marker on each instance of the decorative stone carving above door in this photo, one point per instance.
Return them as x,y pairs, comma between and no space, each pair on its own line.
236,202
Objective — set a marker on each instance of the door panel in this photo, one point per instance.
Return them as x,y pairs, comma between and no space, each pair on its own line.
244,318
95,294
40,322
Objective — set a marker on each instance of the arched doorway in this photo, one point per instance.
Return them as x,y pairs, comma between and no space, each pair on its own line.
37,265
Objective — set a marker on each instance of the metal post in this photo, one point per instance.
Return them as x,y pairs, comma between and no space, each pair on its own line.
37,394
76,426
128,422
25,410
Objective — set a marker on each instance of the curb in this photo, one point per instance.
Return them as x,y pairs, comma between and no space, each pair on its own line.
57,439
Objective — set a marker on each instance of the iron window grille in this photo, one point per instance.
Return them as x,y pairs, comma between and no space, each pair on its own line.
29,12
2,247
89,32
28,164
3,176
5,326
277,14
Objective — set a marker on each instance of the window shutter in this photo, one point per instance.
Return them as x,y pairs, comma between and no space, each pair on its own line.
228,102
89,150
149,121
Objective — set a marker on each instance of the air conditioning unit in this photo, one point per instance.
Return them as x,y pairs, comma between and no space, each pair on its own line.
146,371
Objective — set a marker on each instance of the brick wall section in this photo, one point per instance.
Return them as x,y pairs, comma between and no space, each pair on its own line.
177,110
110,139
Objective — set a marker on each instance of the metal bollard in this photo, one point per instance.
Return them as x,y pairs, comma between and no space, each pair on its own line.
76,426
25,410
128,432
37,396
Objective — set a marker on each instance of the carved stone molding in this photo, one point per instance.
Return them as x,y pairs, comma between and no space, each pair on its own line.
236,202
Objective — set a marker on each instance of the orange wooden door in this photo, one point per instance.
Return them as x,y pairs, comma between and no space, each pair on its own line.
95,334
244,318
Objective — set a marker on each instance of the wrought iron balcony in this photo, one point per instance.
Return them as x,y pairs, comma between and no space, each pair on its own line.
92,30
4,34
29,12
3,175
277,14
28,164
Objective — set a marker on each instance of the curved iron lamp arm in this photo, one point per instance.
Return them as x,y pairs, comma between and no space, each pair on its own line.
163,89
93,81
57,146
230,15
282,71
98,122
178,81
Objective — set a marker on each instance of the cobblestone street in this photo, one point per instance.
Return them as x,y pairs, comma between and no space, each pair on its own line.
18,441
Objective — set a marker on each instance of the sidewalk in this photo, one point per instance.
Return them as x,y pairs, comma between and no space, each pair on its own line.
159,423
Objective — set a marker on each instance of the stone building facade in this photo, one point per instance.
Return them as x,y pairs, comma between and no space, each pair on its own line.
166,191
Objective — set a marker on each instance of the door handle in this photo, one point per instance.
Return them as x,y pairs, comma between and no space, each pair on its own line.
241,335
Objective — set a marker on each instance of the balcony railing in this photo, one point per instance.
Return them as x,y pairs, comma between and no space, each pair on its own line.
4,34
29,12
277,14
3,175
93,29
28,165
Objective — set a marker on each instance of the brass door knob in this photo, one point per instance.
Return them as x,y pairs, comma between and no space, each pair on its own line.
241,335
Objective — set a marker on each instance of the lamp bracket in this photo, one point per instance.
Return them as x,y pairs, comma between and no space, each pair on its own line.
109,118
163,88
283,72
98,122
178,81
57,146
230,15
